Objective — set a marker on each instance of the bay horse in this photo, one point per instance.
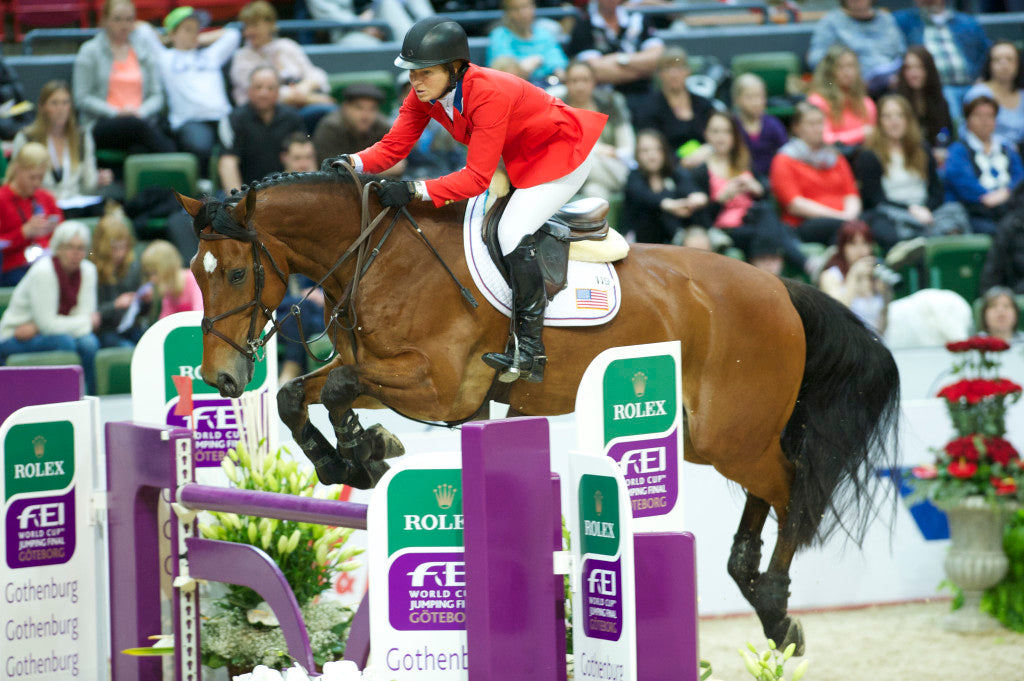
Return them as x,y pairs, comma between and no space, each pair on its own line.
784,391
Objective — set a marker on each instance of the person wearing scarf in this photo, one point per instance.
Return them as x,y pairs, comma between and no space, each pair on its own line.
54,306
812,182
982,169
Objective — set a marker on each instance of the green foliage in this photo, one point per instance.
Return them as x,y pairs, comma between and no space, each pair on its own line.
1005,601
229,640
769,666
308,555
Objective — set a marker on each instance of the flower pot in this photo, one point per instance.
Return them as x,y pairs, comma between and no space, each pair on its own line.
975,560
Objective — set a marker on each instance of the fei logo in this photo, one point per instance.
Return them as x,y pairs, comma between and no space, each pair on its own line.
425,509
427,591
39,457
602,605
40,531
643,461
650,467
639,396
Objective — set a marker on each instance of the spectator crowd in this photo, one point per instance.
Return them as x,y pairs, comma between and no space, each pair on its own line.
908,125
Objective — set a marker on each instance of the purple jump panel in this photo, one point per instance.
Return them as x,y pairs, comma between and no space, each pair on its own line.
247,565
28,386
666,606
511,595
140,462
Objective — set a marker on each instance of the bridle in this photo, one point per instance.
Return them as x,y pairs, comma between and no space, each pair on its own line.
223,226
253,341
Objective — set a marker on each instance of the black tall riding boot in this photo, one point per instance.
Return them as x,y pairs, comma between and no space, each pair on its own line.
524,355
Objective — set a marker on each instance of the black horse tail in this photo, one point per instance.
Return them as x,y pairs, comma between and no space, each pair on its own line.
844,427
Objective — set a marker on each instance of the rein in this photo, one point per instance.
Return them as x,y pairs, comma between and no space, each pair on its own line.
224,227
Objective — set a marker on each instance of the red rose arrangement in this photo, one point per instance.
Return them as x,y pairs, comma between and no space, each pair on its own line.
979,461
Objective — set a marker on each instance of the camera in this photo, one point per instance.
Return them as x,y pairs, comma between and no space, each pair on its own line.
886,275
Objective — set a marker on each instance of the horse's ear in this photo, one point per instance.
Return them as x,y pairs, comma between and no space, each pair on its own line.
250,206
190,205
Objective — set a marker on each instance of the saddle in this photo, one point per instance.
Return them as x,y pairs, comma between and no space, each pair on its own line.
581,220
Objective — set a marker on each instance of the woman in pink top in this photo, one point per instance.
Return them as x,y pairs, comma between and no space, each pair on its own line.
838,89
174,284
737,203
117,87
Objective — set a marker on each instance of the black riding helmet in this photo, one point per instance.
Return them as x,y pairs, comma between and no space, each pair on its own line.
432,41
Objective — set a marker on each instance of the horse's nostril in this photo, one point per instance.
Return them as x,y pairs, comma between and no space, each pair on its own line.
226,385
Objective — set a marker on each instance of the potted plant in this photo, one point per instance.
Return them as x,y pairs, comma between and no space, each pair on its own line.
977,477
238,630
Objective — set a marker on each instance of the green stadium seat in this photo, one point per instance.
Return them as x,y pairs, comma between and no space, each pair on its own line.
615,212
5,298
955,262
50,358
178,171
113,371
384,79
811,250
775,69
735,253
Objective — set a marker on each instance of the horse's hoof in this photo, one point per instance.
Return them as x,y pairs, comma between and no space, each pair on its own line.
794,634
334,470
385,444
366,474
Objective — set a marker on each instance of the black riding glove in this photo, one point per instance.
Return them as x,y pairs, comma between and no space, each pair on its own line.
338,161
395,194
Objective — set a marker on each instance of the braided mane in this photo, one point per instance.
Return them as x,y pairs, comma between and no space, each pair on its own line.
216,214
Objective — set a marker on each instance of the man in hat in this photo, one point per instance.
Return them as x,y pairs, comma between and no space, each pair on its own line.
357,124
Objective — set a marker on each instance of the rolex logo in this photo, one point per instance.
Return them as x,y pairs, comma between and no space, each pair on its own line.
39,446
639,381
598,502
445,495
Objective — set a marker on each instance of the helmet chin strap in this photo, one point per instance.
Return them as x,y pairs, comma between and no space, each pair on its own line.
454,76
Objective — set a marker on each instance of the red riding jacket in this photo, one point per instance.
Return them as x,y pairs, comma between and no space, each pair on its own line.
497,115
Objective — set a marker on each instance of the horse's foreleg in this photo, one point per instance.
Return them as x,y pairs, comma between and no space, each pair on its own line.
361,450
293,400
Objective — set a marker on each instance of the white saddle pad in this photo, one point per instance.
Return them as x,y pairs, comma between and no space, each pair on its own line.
592,296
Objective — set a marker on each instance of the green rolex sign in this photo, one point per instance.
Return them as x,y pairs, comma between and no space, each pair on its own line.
599,515
39,457
183,354
425,509
639,396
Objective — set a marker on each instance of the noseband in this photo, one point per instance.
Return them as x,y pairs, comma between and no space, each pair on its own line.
253,341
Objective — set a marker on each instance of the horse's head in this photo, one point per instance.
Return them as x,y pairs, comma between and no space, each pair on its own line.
239,293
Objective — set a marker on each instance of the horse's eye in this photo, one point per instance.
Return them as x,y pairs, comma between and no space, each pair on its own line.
236,276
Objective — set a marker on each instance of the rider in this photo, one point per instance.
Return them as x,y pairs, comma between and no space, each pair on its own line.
547,147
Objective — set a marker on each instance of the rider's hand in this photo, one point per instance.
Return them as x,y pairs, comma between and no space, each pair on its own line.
394,193
338,161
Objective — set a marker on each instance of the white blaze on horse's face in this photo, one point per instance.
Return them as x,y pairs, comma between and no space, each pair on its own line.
209,262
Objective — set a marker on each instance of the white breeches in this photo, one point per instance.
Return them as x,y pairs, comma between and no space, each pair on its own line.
530,208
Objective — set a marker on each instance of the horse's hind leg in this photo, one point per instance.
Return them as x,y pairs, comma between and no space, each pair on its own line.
745,557
771,598
364,450
767,592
